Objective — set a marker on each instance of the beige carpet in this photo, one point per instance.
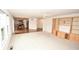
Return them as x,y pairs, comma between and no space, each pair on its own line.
41,41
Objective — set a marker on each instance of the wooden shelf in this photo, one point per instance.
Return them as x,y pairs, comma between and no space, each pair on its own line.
74,37
75,26
71,24
63,35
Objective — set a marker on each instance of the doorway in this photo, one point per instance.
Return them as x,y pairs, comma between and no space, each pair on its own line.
21,26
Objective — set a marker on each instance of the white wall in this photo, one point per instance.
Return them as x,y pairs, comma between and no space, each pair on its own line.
40,23
0,33
67,15
0,40
33,23
11,20
6,24
47,25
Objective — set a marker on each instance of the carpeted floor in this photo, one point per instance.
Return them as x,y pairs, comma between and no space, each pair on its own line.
41,40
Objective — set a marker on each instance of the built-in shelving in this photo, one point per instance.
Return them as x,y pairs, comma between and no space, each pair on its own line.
75,25
67,28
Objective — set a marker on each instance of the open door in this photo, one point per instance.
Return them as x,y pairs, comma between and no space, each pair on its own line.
21,26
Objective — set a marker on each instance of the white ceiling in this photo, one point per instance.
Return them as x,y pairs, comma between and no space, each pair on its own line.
41,12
